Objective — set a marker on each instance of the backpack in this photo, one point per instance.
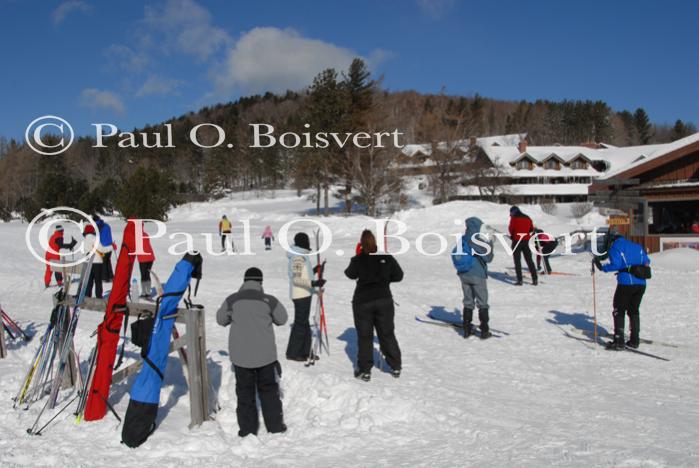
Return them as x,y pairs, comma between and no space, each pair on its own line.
463,261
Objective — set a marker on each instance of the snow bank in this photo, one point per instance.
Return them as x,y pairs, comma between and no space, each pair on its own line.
683,259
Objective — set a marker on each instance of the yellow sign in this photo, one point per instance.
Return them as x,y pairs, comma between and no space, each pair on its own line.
618,220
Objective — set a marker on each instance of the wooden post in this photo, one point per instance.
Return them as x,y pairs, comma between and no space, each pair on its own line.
198,393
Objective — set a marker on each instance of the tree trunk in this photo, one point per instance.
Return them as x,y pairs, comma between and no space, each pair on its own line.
318,199
326,189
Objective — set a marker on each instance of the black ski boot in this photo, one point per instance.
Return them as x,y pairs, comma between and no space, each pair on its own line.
395,373
632,344
361,375
615,345
467,318
484,318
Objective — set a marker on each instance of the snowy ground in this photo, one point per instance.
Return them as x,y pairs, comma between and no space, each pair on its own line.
532,397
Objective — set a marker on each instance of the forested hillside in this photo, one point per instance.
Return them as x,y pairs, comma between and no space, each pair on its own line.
146,182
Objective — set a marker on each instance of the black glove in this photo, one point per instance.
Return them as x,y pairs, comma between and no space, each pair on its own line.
320,268
598,263
319,283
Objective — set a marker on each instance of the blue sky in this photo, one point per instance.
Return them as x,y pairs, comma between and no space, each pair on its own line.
133,62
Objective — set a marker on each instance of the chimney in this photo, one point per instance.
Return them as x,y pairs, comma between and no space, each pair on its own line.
522,146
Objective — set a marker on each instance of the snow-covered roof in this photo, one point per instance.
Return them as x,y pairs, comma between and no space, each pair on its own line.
613,157
464,145
657,152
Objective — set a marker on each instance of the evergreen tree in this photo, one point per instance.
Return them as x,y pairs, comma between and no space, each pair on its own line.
643,127
147,194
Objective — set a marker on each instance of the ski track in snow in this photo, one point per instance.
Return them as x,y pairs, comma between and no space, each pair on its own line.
533,397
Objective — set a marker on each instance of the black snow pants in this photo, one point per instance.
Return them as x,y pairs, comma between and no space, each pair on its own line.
300,338
260,382
627,300
95,279
519,249
377,314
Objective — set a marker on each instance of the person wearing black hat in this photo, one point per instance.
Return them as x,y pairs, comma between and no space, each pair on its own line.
631,264
521,228
251,315
302,286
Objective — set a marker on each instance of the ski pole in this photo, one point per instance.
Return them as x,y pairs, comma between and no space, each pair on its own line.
594,301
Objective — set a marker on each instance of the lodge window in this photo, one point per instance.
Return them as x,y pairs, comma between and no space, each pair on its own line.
674,217
524,164
551,164
578,164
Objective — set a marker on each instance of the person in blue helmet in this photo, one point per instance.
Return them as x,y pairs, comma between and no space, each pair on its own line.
631,264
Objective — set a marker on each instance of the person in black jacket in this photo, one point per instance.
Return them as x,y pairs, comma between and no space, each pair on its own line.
372,306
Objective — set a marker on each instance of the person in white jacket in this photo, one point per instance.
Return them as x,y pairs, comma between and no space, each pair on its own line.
302,287
95,278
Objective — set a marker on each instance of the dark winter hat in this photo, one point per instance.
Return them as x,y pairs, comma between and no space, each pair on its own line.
301,240
59,227
514,211
253,274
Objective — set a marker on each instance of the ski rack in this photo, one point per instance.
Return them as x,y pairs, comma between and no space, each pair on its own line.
193,361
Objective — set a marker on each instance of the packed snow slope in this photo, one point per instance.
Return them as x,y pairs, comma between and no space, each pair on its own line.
538,394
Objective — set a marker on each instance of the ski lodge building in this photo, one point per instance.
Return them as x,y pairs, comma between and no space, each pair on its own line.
660,195
526,173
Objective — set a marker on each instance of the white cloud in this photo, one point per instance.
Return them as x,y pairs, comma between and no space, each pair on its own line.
101,99
436,8
66,8
122,57
273,59
187,27
158,85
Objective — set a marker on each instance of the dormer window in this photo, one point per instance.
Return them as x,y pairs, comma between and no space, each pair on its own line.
579,164
551,164
524,164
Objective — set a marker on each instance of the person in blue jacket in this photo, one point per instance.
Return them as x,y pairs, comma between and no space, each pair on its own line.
632,266
471,265
107,242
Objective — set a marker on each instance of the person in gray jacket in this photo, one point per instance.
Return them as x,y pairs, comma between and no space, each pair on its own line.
251,314
472,268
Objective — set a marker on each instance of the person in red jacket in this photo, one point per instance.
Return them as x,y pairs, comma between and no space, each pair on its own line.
521,228
56,243
145,264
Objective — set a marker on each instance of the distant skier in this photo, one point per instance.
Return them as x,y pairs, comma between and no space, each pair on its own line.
252,350
302,287
545,245
472,267
106,247
521,228
145,265
95,279
224,231
372,306
53,254
268,237
632,266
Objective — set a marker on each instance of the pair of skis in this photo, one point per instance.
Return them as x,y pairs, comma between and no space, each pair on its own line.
319,330
66,350
12,328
